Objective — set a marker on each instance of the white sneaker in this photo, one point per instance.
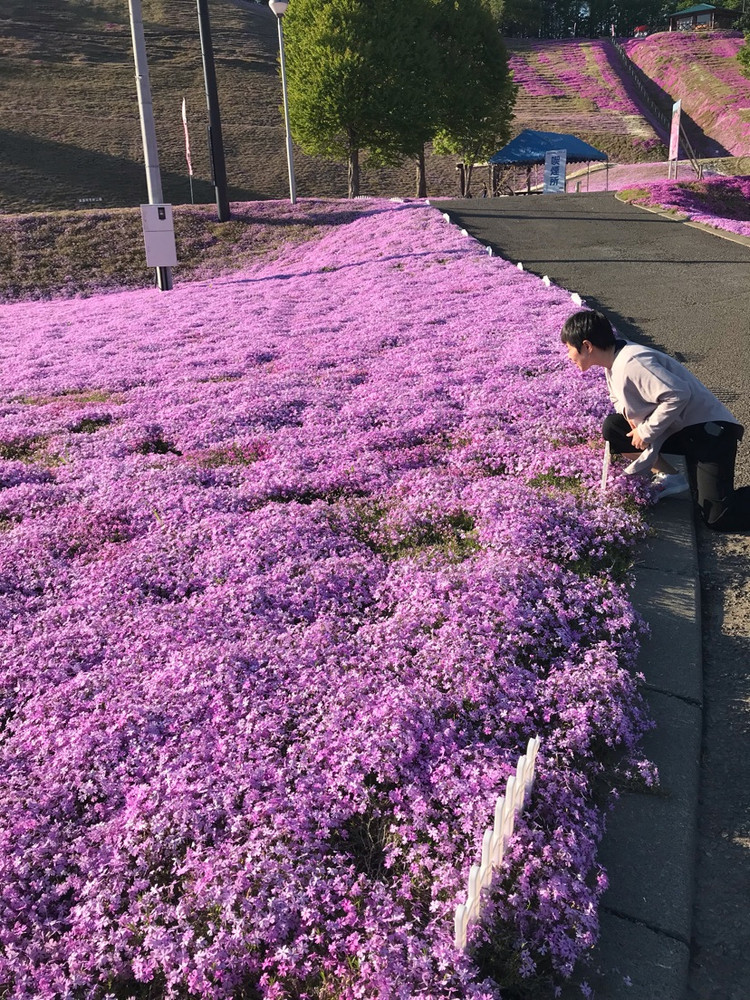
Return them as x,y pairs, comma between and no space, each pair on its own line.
669,485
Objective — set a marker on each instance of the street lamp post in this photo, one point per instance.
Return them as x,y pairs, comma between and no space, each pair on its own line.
215,140
279,7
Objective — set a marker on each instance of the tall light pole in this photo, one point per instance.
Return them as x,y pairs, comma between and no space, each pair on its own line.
215,141
148,129
279,8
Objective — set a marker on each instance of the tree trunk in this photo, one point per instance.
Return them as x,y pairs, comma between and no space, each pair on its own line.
421,175
353,171
469,172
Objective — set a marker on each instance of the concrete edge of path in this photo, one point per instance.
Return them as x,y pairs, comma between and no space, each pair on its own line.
665,214
650,845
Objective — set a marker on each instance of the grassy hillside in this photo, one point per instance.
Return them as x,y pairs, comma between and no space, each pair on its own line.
702,71
576,86
43,255
69,126
70,132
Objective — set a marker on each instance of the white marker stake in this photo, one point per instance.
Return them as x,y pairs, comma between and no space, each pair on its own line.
605,466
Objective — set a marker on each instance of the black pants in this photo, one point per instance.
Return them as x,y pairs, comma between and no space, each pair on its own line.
710,450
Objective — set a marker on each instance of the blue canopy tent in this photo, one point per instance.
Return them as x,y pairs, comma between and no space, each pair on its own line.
530,147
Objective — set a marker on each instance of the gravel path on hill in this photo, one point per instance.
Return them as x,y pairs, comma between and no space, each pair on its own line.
687,292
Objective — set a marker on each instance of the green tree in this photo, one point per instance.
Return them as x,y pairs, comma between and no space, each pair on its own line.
476,93
743,56
359,78
522,18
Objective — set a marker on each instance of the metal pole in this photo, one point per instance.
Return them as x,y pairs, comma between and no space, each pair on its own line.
289,151
148,129
215,141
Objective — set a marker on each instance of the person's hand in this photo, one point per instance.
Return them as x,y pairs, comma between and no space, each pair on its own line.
635,437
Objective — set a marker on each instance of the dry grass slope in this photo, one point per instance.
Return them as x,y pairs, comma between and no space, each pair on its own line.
70,132
69,126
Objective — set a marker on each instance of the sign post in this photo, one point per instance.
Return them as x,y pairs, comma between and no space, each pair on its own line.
674,140
554,171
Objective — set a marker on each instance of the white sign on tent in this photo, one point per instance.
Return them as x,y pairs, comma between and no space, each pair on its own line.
554,171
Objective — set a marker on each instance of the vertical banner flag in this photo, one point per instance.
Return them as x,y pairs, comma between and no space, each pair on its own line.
674,135
187,138
554,171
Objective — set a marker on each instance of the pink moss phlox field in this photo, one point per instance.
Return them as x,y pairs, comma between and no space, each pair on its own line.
585,71
292,564
704,73
722,202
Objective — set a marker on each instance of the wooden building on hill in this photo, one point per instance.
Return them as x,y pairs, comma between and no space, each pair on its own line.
703,16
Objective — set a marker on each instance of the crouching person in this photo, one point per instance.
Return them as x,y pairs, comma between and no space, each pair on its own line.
662,408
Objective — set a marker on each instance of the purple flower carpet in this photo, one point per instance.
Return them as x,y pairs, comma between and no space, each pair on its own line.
293,562
721,202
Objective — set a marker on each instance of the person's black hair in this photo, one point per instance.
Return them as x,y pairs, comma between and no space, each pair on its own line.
588,325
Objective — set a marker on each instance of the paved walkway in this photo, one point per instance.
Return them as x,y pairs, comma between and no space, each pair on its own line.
685,291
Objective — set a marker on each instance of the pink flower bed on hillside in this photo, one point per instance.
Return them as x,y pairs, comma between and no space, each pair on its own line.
722,202
703,72
577,69
292,564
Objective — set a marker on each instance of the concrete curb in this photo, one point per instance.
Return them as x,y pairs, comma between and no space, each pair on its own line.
650,845
676,217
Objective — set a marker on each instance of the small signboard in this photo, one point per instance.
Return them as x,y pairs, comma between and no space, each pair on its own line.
554,171
674,137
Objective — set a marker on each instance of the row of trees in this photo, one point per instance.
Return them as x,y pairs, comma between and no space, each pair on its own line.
386,77
564,18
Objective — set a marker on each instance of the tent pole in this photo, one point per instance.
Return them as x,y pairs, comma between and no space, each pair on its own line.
588,175
606,177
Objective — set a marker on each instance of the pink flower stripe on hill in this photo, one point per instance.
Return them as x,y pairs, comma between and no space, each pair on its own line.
292,565
704,73
581,70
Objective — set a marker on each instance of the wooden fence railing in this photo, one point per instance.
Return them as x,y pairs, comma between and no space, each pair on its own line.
495,841
641,82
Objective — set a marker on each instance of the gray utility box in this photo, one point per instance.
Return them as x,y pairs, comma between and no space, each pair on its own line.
158,235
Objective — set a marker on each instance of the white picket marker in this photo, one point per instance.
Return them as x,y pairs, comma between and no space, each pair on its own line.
521,770
532,748
495,840
459,925
489,251
509,818
464,232
605,466
576,298
487,850
497,827
446,217
475,891
546,280
485,877
519,265
510,792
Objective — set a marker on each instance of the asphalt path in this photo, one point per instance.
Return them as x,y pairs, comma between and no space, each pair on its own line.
687,292
660,282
